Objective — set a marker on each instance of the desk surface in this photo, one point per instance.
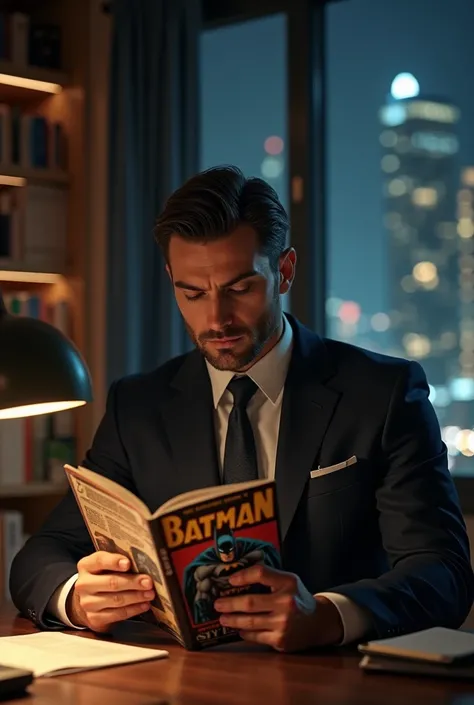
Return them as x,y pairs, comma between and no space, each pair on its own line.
231,675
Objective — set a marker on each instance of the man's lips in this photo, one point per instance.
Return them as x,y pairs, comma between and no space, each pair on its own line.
224,342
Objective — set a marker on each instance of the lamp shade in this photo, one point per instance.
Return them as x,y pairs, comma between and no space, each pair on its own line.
41,370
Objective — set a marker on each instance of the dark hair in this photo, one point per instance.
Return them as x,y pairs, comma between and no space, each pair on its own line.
211,204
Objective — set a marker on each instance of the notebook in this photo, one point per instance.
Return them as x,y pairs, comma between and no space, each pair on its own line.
406,667
435,645
55,653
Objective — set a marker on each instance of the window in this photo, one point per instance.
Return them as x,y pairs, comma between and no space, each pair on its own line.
401,194
243,99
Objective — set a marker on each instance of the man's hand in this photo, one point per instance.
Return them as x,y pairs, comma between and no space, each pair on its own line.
288,619
103,595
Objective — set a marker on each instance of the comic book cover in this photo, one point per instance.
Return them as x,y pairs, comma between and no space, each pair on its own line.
207,543
189,546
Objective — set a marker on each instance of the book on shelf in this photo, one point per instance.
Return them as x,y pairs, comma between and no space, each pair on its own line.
33,227
35,448
190,546
27,42
30,141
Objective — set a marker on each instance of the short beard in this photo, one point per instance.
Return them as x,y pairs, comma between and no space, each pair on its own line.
259,335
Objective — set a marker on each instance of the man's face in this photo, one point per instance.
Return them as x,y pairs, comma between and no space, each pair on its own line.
228,296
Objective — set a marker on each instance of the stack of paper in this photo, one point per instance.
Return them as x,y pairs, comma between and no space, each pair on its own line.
55,653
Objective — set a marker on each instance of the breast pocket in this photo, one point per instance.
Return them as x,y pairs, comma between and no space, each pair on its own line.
339,479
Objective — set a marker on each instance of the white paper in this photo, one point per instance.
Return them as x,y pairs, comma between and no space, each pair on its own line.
55,653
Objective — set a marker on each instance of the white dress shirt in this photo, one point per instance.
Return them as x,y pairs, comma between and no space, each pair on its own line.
264,411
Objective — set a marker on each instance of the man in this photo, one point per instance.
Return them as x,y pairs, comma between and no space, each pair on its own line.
374,543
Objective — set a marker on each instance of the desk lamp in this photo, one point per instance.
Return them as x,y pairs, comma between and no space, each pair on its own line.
41,370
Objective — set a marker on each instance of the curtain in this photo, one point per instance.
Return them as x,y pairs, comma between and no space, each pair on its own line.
153,148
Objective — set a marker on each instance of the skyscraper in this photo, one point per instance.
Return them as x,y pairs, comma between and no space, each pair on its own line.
420,181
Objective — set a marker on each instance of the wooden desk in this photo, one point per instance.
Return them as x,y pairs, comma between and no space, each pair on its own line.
233,675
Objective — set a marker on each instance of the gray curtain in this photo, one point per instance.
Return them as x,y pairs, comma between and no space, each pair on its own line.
153,148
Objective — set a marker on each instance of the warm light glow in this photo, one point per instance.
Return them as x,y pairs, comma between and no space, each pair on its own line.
425,272
465,228
30,83
349,312
468,176
27,277
465,442
425,197
50,407
12,180
416,345
273,145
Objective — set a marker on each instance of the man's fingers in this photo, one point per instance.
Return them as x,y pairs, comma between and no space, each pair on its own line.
251,622
275,579
102,621
247,603
114,600
271,638
101,561
111,582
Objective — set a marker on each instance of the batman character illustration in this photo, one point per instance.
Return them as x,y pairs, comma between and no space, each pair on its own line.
207,577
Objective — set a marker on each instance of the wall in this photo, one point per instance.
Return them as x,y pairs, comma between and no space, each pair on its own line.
97,139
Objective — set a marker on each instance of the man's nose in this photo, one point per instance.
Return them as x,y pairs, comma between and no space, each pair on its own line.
219,313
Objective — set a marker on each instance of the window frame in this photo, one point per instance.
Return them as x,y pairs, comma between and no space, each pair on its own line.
307,172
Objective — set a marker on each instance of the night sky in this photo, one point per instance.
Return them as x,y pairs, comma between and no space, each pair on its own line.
369,41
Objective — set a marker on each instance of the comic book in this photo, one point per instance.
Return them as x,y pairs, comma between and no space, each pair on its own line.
189,546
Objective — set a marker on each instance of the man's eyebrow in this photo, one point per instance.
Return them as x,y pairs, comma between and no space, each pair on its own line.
192,287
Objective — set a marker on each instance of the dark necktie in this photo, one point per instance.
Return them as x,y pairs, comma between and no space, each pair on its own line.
240,455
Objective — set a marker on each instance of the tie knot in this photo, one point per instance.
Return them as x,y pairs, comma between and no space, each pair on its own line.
242,389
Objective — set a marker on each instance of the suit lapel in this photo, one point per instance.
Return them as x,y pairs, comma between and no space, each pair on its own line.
189,423
308,406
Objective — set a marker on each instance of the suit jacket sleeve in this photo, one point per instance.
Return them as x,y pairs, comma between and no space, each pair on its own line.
430,581
50,556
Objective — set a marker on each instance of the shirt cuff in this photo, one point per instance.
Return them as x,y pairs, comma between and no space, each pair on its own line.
57,603
354,621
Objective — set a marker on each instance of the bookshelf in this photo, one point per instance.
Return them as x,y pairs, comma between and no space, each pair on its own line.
12,175
32,489
58,96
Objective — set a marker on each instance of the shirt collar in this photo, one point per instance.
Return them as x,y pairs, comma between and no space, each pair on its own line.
268,373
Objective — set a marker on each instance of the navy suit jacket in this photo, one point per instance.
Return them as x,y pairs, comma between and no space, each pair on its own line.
386,532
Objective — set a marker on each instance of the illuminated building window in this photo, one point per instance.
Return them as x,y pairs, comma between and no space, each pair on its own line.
397,187
465,228
425,272
425,197
390,163
417,345
467,177
272,167
380,322
388,138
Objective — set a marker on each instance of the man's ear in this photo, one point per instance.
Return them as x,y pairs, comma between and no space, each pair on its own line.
287,269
